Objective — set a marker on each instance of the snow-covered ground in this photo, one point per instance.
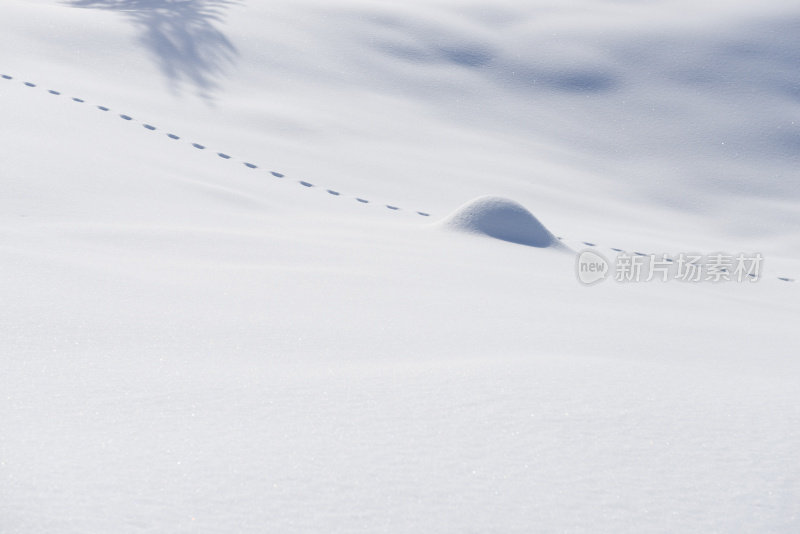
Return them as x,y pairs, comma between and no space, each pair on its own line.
243,290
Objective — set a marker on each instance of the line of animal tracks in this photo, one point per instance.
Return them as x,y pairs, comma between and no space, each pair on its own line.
275,174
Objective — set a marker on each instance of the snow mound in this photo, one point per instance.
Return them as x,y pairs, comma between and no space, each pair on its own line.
501,218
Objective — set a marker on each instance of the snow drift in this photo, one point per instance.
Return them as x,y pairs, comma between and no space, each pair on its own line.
502,219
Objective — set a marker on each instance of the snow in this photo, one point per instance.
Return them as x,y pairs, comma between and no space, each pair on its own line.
234,299
502,219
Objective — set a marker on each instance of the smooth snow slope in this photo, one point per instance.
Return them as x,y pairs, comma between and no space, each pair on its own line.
191,344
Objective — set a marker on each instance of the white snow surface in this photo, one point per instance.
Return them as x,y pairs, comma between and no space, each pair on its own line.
192,344
502,219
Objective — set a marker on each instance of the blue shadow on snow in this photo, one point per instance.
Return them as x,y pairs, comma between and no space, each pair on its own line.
182,35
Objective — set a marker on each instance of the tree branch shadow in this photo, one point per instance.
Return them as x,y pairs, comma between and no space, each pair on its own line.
183,36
